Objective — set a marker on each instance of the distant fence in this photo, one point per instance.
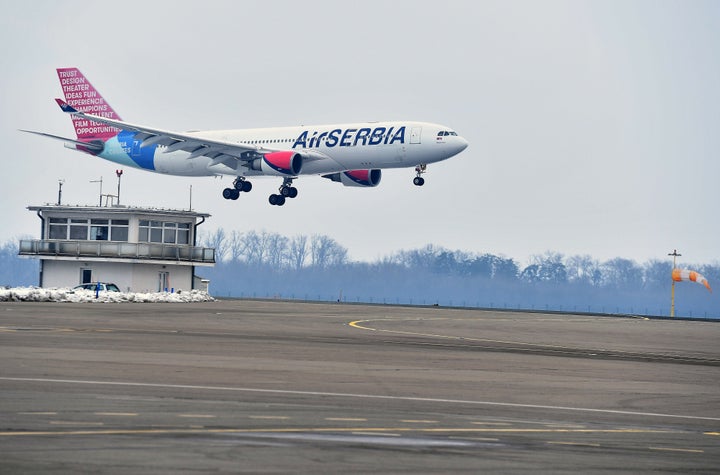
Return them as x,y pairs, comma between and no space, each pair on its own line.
574,309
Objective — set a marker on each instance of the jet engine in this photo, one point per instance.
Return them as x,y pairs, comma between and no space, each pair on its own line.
357,177
284,163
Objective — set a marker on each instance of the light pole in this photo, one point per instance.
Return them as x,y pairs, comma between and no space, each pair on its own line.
119,174
675,255
60,184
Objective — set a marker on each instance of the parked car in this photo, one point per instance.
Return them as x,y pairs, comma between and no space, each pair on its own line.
93,286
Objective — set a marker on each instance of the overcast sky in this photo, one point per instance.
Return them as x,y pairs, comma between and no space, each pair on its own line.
594,126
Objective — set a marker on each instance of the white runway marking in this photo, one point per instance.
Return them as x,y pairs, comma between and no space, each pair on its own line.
359,396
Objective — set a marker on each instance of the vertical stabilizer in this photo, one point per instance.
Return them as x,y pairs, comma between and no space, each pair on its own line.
81,95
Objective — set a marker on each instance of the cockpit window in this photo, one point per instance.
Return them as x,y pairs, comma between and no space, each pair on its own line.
445,133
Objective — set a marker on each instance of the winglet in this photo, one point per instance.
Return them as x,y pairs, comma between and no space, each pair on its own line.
65,106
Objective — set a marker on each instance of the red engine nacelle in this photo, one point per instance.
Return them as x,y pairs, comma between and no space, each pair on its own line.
284,163
357,177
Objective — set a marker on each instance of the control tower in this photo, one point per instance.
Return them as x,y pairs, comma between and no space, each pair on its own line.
139,249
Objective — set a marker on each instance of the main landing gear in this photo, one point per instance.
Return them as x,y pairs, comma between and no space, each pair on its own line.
419,170
286,191
239,185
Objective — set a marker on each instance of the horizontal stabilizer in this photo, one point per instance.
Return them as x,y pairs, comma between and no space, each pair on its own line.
65,106
95,146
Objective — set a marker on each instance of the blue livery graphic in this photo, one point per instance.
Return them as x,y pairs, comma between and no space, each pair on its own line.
143,156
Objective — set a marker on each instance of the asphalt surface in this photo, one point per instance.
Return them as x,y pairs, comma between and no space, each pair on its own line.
285,387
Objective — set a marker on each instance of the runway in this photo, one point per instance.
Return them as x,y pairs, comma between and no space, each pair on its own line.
245,386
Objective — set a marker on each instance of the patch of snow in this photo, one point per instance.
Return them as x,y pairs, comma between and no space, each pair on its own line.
37,294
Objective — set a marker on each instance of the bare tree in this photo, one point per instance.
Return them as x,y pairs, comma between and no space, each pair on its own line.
276,252
216,240
657,274
583,270
254,247
622,273
326,252
546,267
236,246
297,251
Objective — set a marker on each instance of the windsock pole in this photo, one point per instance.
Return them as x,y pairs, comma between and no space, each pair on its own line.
672,287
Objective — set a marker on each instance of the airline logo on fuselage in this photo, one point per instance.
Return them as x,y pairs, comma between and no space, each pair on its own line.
351,137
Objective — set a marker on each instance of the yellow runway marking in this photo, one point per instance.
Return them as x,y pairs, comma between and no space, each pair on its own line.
117,414
73,423
480,439
671,449
281,418
578,444
412,421
712,433
373,430
358,324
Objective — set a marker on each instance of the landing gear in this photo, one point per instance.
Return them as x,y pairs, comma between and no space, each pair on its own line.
242,185
231,194
286,191
277,200
419,170
239,185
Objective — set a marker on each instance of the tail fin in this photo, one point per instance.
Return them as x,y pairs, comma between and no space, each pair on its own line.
81,95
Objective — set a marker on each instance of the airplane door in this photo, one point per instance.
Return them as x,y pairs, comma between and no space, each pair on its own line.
415,134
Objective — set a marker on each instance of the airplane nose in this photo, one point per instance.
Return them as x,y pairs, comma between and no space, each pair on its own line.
459,144
462,144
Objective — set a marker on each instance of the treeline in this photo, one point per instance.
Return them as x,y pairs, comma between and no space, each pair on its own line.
16,271
316,267
267,265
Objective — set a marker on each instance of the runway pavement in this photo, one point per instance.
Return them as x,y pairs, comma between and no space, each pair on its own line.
284,387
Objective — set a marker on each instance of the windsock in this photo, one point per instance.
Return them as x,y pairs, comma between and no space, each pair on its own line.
683,274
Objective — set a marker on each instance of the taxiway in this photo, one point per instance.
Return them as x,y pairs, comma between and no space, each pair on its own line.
280,387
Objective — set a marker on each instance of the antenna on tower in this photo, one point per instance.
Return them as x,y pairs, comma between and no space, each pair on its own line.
119,174
60,184
99,181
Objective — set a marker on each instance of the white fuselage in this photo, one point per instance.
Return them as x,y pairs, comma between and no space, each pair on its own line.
324,148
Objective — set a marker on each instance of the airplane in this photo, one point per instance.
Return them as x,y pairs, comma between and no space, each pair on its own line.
352,154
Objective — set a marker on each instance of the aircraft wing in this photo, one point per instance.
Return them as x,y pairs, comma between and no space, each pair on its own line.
220,151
